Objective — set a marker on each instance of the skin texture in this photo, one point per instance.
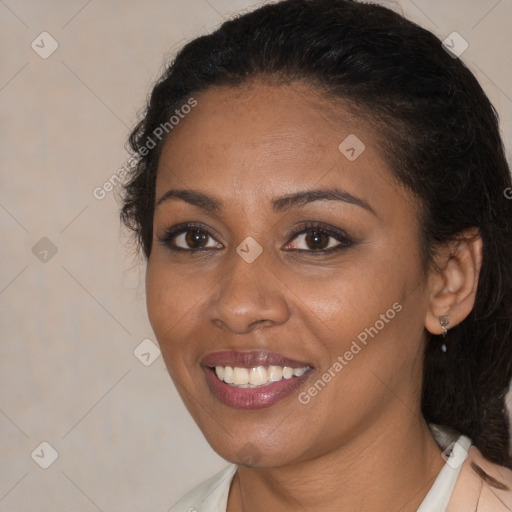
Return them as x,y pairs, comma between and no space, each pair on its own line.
364,430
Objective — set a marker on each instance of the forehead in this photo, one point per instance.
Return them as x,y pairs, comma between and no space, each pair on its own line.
268,138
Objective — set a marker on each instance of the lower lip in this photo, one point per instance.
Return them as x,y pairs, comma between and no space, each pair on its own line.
253,398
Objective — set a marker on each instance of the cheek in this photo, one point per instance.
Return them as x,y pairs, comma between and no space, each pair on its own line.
158,296
352,295
170,296
369,309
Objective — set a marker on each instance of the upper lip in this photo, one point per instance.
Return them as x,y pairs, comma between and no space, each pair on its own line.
250,359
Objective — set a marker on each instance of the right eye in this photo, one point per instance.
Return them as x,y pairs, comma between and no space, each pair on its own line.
188,237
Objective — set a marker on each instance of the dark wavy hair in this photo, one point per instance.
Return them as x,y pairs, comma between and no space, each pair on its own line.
440,135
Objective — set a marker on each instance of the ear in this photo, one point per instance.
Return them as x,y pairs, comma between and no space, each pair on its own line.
453,280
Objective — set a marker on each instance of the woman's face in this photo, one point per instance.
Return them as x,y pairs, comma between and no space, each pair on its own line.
304,253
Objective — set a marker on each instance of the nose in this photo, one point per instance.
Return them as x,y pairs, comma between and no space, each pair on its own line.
249,296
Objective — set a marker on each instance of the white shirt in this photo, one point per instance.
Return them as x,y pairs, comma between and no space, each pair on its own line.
212,495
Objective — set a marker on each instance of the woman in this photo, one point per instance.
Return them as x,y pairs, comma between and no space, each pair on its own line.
319,193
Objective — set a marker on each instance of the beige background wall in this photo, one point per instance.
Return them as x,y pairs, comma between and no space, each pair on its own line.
70,321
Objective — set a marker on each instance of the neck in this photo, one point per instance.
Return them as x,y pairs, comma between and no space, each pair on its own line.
385,468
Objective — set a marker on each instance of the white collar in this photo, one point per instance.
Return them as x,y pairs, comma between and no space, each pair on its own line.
440,493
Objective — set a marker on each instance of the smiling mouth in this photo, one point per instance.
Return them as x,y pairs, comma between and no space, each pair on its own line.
257,377
253,379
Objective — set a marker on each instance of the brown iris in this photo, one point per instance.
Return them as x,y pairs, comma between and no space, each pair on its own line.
196,239
317,240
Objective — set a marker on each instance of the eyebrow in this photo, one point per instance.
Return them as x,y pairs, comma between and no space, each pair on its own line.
279,204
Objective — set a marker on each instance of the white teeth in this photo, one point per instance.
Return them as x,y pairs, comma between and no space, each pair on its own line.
275,373
287,372
228,375
240,376
257,376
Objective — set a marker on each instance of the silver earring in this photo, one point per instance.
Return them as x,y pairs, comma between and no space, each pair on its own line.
444,321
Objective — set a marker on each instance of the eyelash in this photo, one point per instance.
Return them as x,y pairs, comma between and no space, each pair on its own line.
344,240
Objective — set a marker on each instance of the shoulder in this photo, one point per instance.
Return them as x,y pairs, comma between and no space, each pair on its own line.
211,495
474,493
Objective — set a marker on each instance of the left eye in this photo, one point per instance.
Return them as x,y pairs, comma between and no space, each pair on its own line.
315,239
